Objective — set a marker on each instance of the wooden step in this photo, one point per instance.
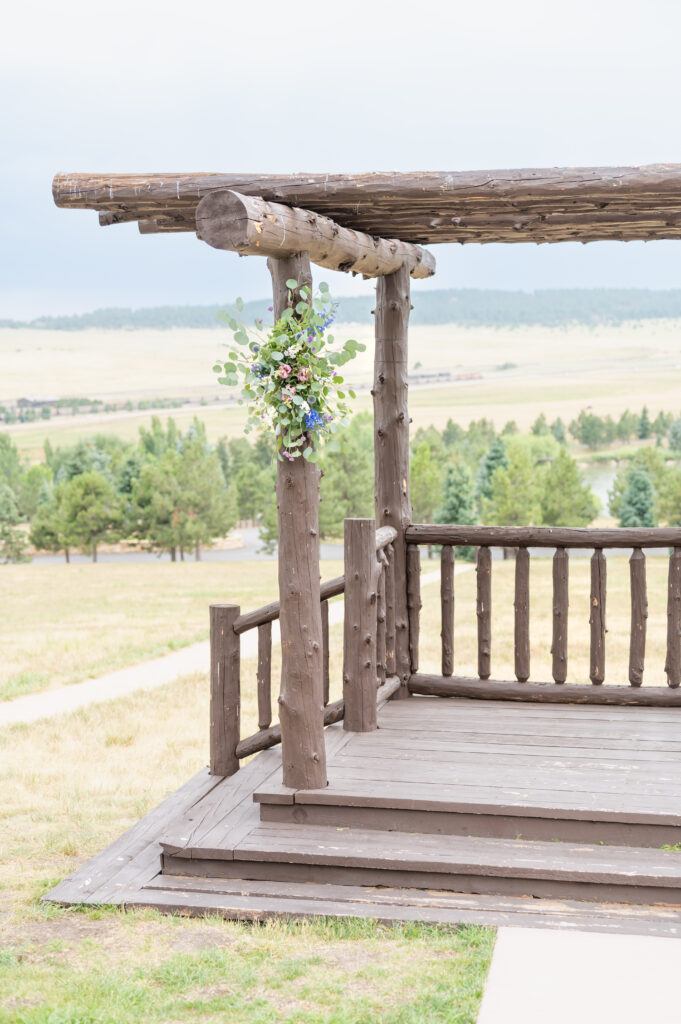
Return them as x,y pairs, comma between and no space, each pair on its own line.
349,856
462,807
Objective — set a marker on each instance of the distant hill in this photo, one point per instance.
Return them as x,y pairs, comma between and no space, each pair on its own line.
467,307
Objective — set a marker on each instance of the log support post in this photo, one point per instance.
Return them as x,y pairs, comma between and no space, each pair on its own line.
225,689
360,627
391,444
301,696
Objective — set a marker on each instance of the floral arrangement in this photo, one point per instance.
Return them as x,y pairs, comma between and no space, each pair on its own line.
289,372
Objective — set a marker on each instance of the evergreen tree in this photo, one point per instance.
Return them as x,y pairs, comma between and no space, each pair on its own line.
675,435
565,499
458,502
91,510
453,434
347,486
670,498
11,467
49,529
638,500
644,426
12,537
514,492
652,462
495,458
510,428
425,474
627,426
558,430
540,426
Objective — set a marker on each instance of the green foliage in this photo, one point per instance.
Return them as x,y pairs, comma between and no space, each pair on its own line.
675,435
92,510
669,500
540,425
12,538
49,525
565,499
495,458
644,426
458,501
638,500
515,496
425,483
652,462
11,468
558,430
347,486
291,383
254,490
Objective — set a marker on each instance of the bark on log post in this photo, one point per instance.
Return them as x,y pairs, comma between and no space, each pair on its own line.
414,602
673,662
447,605
390,611
265,675
359,633
325,653
391,444
484,611
597,617
301,695
252,226
522,615
559,648
381,570
225,689
639,614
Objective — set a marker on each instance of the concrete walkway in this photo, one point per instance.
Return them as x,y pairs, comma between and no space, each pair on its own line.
558,977
148,675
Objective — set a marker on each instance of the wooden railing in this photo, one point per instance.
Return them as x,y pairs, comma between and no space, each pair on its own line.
368,555
484,538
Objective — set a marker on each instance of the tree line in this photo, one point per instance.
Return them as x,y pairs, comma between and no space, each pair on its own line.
173,491
467,307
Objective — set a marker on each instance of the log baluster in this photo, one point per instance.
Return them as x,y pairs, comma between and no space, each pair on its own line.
597,617
390,611
559,649
639,615
359,632
265,675
414,602
447,603
380,618
325,650
673,662
225,689
484,611
522,615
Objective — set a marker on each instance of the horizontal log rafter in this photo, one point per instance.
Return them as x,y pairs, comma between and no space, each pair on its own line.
531,205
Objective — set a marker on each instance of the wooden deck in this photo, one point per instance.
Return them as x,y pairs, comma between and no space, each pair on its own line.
454,810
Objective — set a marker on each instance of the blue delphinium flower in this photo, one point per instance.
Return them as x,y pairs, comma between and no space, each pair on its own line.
313,420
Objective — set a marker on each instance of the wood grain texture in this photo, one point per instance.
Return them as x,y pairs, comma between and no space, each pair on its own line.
380,618
359,634
414,603
264,676
225,689
301,697
447,608
639,616
522,615
673,662
391,443
390,611
517,205
544,536
597,617
483,571
250,225
559,648
438,686
325,652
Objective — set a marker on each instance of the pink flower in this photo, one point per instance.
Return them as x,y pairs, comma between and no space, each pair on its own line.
304,374
287,394
284,370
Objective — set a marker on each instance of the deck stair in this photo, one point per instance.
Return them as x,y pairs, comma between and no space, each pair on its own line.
504,799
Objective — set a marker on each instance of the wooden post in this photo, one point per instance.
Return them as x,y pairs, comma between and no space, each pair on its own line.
639,615
265,675
672,664
391,444
390,611
359,633
522,615
559,647
414,602
381,570
484,611
301,695
225,689
447,605
597,617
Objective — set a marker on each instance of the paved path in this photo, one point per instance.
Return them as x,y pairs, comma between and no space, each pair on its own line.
559,977
145,676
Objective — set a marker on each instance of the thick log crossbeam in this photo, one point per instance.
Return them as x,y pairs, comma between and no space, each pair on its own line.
251,226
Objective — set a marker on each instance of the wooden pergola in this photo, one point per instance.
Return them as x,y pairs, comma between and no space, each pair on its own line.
423,799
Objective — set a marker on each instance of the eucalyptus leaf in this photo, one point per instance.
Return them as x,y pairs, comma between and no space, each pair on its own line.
292,283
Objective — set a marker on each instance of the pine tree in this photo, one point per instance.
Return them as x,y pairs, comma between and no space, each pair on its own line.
425,475
540,426
495,458
565,499
638,500
12,538
458,502
558,430
514,493
91,510
644,426
49,531
675,435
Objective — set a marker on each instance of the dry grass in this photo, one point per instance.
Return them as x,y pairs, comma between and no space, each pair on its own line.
69,623
618,621
557,371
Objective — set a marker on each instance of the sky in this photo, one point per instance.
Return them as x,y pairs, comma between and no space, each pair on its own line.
318,85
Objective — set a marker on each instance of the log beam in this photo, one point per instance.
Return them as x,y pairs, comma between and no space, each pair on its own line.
251,226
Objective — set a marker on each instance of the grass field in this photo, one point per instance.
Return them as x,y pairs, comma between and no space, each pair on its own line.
555,371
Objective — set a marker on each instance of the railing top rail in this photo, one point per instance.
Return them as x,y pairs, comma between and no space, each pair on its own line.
544,536
270,612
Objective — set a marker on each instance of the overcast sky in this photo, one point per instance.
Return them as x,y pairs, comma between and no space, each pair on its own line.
318,85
